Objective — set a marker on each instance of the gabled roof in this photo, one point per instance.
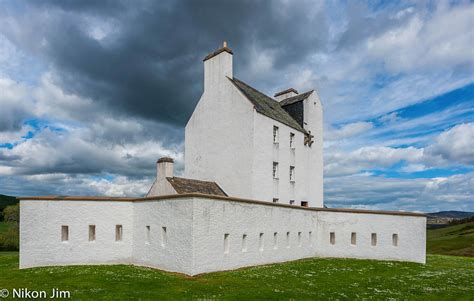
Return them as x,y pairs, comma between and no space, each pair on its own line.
294,99
183,185
266,105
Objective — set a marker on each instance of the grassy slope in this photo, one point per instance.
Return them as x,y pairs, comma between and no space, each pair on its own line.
442,278
453,240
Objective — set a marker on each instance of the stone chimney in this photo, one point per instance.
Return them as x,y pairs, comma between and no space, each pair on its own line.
285,94
164,168
217,65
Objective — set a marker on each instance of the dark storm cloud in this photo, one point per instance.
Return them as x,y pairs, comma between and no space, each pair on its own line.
150,64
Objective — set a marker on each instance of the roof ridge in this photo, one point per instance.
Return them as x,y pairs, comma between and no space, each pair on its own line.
192,179
296,98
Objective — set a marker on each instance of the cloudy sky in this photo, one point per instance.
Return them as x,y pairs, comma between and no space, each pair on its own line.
93,92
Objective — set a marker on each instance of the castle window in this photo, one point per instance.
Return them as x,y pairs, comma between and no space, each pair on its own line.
275,240
226,243
304,203
374,239
310,238
118,232
275,170
261,242
64,233
275,134
332,238
395,240
299,239
164,237
275,200
292,202
353,238
292,141
147,230
244,243
287,239
91,232
292,173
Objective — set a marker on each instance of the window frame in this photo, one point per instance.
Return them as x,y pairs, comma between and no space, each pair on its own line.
276,134
292,174
275,170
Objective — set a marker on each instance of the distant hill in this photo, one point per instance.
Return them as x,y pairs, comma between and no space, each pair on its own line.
442,218
452,214
452,240
5,201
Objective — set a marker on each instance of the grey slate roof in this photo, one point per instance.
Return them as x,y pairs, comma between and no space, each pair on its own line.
296,98
183,185
266,105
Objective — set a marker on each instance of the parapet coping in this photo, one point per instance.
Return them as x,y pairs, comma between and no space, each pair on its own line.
213,197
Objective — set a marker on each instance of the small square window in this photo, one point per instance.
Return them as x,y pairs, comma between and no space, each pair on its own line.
244,243
275,134
275,170
304,203
91,232
64,233
373,239
226,243
275,200
118,232
148,234
395,240
353,238
164,236
292,202
292,173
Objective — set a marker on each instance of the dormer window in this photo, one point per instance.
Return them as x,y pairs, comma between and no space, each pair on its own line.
275,134
275,170
292,173
292,140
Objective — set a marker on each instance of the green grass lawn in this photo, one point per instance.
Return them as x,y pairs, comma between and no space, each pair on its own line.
442,278
452,240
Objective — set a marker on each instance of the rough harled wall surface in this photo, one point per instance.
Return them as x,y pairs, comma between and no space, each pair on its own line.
411,231
205,235
161,186
266,152
40,232
218,136
171,251
213,220
228,142
313,111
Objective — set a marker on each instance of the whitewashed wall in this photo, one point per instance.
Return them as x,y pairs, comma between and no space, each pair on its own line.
40,232
195,232
218,136
170,252
214,219
228,142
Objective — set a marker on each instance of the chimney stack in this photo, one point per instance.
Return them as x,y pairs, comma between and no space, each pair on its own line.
164,168
285,94
217,66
